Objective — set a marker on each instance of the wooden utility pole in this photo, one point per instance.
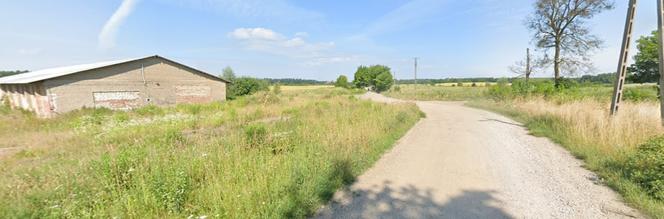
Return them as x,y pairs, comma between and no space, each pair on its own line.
621,73
528,69
415,76
660,28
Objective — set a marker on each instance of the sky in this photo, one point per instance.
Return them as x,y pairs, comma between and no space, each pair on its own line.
308,39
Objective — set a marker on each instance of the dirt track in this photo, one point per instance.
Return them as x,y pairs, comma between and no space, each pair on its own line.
461,162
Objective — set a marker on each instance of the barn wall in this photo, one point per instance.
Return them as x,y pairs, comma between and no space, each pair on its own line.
125,86
30,97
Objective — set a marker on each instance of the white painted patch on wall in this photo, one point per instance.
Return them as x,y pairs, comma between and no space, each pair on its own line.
117,100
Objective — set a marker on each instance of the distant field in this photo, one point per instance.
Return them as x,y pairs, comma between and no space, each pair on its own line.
467,84
267,155
428,92
447,92
304,87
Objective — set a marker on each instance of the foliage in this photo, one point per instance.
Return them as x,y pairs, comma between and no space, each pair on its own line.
606,78
276,88
228,74
366,76
383,81
646,62
246,86
646,167
641,93
295,81
342,81
447,80
566,83
561,25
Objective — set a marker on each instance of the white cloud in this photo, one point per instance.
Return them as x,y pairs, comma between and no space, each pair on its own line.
108,33
255,34
297,47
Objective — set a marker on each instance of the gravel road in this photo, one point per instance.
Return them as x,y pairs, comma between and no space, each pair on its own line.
461,162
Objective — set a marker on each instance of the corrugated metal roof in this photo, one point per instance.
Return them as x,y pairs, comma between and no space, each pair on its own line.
44,74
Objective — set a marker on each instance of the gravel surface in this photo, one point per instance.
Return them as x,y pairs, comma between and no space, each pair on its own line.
461,162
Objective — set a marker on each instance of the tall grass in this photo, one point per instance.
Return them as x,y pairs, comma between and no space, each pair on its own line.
262,156
429,92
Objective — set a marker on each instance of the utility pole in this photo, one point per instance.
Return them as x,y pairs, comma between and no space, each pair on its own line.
415,69
660,27
528,70
621,73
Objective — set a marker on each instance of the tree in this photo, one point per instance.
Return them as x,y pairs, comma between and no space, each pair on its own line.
246,86
561,25
646,62
366,76
228,74
362,77
342,81
384,81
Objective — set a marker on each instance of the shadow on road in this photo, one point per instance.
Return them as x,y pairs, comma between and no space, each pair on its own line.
388,201
501,121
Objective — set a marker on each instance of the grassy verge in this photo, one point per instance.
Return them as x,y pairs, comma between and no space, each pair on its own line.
429,92
585,129
264,156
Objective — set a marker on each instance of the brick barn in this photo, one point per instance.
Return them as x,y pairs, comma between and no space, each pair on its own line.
120,85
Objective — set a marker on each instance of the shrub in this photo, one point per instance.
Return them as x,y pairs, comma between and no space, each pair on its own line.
459,84
544,87
566,83
277,88
646,167
522,87
638,94
473,84
342,81
246,86
500,91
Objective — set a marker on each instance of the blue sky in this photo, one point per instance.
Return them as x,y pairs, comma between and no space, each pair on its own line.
311,39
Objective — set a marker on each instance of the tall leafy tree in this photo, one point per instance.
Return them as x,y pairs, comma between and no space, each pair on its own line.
362,77
646,62
384,81
366,76
228,74
560,25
